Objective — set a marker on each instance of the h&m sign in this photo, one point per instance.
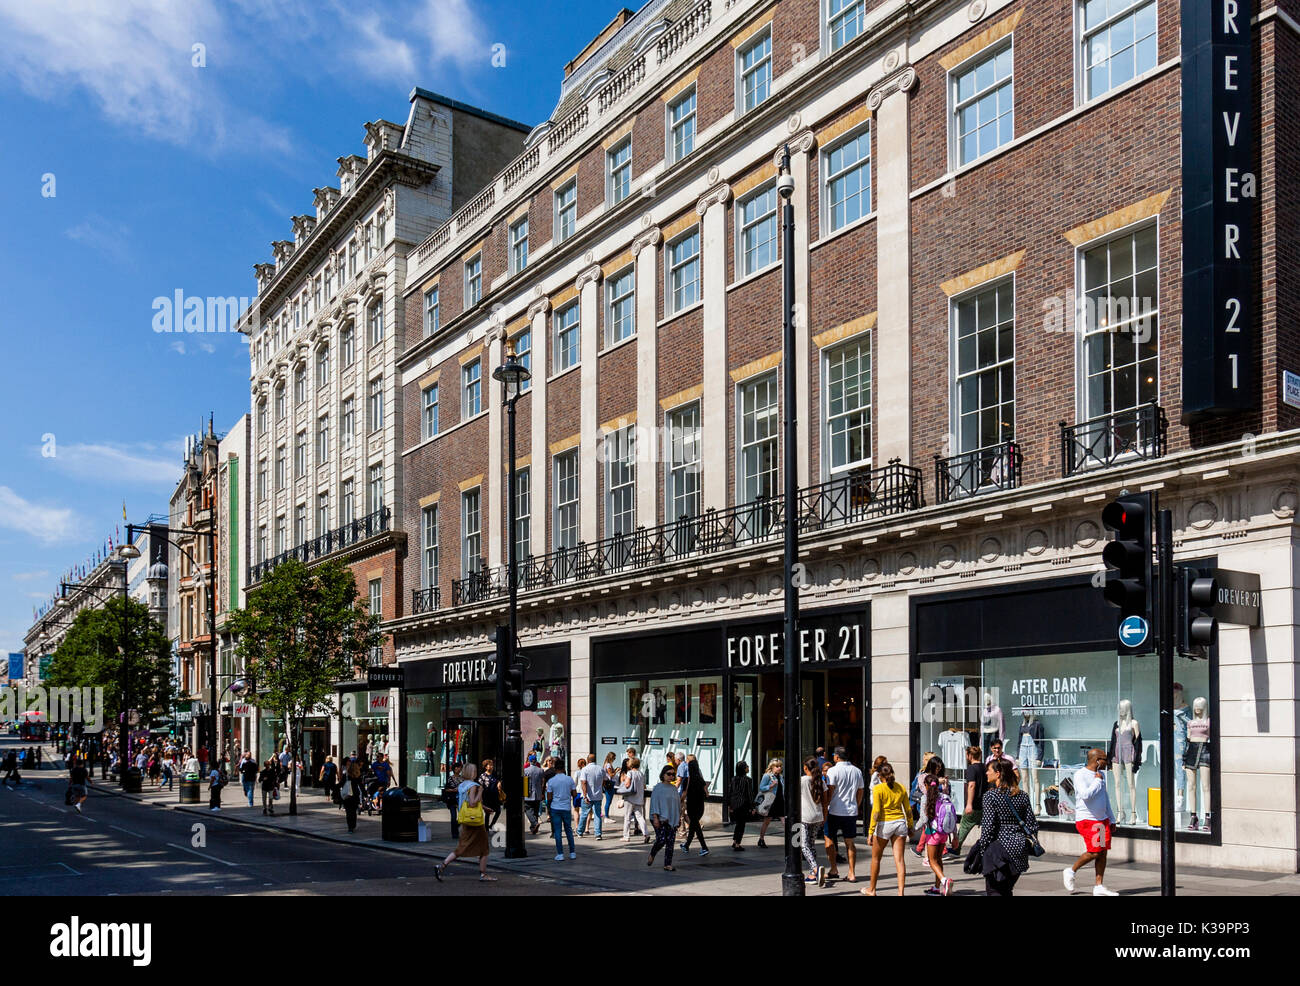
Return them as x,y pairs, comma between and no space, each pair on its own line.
1220,196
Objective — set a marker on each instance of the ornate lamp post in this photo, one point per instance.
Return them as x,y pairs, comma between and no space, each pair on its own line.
513,375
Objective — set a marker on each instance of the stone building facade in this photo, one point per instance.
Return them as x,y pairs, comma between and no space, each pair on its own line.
325,330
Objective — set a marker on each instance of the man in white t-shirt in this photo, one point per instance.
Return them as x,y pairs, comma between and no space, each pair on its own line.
1094,820
845,790
591,785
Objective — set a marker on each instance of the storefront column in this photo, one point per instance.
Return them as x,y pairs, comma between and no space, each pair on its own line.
714,417
1257,727
891,687
588,285
396,753
581,708
645,250
539,491
890,102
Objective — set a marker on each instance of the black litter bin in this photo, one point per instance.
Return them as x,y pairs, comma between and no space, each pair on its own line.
400,819
133,781
190,789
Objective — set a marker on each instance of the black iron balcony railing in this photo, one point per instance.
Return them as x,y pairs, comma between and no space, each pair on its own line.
1138,432
349,534
426,600
892,489
995,467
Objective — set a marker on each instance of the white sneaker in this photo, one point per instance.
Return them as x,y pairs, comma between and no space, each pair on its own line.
559,857
1067,875
1100,891
573,855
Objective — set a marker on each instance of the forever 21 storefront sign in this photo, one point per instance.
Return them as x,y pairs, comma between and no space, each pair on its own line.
822,639
1220,190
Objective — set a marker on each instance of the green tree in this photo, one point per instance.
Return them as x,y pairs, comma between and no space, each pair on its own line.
300,633
91,656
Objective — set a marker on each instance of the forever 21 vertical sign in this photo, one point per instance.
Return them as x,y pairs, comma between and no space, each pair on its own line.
1219,204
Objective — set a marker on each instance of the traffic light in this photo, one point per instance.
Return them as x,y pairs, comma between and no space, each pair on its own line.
1195,625
513,695
1129,584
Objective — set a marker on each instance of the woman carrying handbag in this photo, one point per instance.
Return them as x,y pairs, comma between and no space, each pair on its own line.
473,826
1008,832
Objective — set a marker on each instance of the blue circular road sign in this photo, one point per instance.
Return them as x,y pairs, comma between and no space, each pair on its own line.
1133,631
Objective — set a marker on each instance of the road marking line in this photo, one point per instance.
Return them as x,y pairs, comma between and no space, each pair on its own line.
68,868
214,859
127,831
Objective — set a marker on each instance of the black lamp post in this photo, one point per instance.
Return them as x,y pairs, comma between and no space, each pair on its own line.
513,375
792,884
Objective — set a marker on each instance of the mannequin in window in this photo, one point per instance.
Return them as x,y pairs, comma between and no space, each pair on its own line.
1125,756
430,738
1196,763
992,726
1029,753
1181,716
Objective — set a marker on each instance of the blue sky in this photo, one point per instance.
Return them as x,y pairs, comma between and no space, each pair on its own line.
168,175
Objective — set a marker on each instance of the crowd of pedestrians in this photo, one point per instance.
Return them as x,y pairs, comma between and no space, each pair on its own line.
665,812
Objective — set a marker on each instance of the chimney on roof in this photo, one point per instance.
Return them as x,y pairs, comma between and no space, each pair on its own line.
610,29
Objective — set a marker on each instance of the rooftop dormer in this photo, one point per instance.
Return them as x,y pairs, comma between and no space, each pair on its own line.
302,227
382,135
264,274
325,198
350,168
282,250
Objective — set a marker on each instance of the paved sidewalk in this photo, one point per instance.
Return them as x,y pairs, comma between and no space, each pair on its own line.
613,866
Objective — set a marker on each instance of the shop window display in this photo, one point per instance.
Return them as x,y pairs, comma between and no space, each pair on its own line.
1048,711
659,716
423,767
363,726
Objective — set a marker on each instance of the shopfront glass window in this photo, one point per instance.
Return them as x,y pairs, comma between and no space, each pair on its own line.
363,726
423,767
659,716
1049,711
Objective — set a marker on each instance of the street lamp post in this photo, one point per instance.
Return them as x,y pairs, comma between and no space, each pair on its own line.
792,884
513,375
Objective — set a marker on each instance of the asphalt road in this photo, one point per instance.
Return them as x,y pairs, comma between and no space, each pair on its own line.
120,846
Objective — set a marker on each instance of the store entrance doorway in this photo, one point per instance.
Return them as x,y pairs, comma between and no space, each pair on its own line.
473,741
832,714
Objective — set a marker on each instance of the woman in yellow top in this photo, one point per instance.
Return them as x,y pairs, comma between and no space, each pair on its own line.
890,825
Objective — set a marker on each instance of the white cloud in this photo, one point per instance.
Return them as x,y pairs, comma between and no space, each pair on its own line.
29,576
101,235
177,347
99,462
455,33
135,60
46,523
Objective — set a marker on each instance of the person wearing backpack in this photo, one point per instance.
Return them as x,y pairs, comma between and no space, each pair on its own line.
938,819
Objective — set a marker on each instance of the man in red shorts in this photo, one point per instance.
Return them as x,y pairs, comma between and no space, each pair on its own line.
1094,820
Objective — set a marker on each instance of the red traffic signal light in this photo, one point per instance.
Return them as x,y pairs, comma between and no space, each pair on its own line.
1128,582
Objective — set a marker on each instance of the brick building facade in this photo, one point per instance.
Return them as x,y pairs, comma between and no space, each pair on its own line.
989,247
